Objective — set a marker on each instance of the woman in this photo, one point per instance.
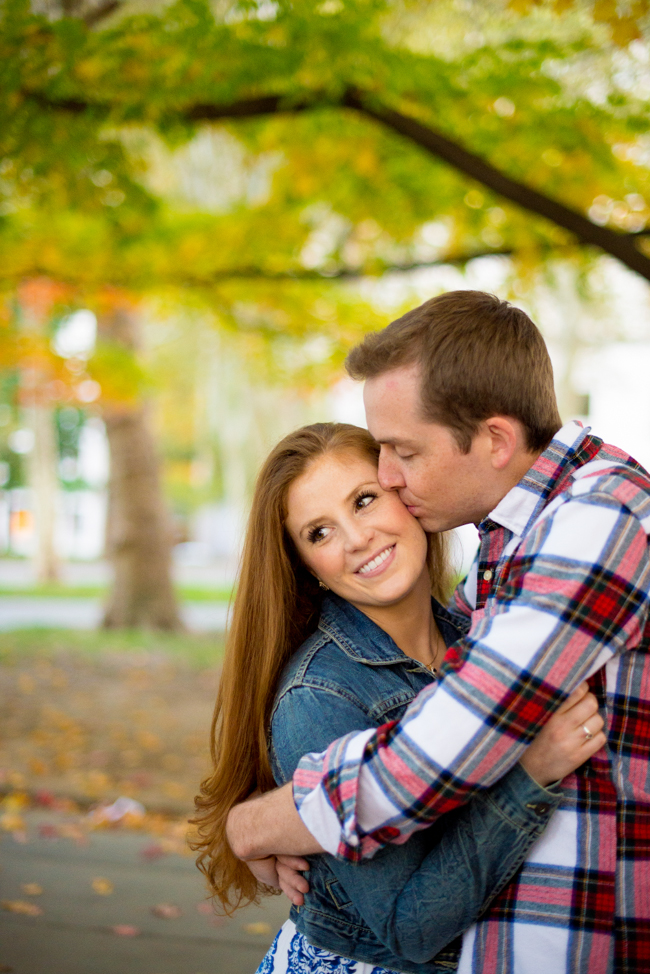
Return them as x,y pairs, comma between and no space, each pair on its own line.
334,630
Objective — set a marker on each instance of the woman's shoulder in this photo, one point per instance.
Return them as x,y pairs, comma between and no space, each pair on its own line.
315,663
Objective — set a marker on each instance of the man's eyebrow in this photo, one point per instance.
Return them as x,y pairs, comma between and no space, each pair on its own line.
394,441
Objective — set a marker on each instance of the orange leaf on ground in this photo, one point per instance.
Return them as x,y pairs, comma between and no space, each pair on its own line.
125,930
31,889
21,906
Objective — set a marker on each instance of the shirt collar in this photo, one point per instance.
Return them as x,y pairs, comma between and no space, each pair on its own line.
521,505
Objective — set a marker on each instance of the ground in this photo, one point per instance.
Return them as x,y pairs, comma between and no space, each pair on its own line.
84,719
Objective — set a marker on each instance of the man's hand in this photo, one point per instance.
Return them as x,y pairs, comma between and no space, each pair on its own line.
269,825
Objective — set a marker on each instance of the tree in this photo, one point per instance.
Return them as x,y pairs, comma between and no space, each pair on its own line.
139,537
371,134
550,150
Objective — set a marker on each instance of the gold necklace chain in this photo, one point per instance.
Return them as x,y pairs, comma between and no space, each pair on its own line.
431,667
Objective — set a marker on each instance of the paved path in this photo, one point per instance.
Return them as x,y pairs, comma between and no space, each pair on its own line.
21,611
74,934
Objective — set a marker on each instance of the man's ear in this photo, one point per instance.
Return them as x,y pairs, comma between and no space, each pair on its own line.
505,440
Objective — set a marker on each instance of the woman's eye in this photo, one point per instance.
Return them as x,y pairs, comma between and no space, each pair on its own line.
317,534
364,500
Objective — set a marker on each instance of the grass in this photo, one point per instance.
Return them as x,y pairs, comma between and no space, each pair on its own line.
199,650
186,593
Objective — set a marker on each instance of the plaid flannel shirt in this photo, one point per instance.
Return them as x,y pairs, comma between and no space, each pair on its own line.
559,593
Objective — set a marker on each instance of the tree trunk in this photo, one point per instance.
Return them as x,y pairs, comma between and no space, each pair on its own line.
45,487
139,536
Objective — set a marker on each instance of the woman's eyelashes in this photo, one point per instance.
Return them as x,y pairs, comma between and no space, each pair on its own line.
364,499
318,532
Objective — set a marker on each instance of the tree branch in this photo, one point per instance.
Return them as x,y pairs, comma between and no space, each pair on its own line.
621,246
618,245
97,14
299,274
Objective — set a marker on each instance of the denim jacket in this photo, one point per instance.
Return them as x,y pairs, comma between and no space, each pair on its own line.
405,908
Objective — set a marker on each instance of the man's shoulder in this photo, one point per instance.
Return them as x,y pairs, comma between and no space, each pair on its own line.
613,474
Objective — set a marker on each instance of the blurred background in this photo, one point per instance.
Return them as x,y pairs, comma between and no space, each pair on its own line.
203,205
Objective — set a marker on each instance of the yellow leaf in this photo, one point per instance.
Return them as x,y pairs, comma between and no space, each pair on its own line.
257,929
31,889
102,886
11,822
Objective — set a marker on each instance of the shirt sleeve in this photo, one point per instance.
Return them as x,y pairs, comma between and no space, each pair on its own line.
445,878
575,593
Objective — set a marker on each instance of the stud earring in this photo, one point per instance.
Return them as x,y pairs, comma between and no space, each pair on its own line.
323,585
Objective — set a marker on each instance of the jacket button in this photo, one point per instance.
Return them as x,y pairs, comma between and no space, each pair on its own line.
541,808
487,575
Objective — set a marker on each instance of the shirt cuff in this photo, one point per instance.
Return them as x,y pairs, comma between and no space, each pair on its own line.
325,789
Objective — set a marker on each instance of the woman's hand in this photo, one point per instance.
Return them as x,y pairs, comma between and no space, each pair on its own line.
265,871
282,872
562,744
292,883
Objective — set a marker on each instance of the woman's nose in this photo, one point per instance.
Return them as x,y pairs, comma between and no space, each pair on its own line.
358,536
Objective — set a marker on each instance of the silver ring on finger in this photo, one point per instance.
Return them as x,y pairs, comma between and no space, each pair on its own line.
588,734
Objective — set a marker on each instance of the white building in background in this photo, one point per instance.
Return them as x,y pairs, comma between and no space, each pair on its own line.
81,514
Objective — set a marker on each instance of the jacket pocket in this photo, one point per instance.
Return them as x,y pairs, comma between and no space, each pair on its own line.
338,895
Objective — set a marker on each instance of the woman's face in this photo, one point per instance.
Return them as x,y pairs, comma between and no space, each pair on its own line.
355,537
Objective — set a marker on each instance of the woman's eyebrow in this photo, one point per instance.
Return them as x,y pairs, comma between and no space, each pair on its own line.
355,490
317,521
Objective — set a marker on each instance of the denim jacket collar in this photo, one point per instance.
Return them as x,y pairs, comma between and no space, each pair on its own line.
363,640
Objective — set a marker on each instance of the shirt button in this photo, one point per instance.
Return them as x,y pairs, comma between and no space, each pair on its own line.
487,575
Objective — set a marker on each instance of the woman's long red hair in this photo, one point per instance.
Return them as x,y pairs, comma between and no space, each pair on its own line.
276,607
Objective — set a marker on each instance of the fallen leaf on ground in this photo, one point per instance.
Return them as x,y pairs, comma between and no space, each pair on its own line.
21,906
123,808
102,886
153,851
31,889
205,908
125,930
5,969
258,929
12,822
167,911
48,831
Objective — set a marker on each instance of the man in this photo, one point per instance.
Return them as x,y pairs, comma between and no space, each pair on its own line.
459,394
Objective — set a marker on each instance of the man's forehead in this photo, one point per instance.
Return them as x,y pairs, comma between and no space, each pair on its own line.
391,403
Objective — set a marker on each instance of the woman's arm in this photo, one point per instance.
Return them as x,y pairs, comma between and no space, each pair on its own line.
419,901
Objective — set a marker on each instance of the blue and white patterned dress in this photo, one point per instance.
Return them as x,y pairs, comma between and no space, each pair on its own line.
291,953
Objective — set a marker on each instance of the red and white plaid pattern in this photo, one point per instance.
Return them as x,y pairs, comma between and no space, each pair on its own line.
559,592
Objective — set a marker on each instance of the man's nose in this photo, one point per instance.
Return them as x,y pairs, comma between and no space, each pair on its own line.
389,473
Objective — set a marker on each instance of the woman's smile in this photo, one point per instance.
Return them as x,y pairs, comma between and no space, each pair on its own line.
378,563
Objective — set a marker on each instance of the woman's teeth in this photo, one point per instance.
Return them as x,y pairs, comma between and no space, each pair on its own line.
376,562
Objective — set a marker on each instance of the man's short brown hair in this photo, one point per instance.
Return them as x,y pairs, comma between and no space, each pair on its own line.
479,357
